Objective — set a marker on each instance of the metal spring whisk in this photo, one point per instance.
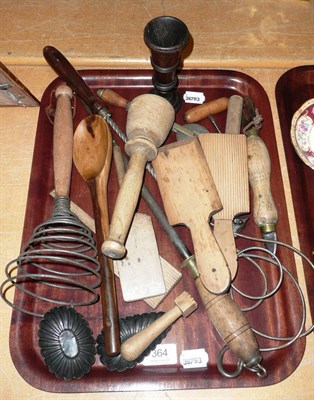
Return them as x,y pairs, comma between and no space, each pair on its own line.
60,259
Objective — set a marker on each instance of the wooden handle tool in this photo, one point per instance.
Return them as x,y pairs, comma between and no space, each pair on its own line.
149,121
63,141
265,211
190,197
111,97
234,114
108,287
231,324
207,110
69,74
133,347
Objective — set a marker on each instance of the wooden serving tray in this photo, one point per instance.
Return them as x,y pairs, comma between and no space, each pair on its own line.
293,89
276,316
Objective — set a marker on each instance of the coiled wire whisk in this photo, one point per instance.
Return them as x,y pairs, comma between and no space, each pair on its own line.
61,254
59,262
252,254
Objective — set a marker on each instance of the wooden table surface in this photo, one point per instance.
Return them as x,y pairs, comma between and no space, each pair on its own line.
260,38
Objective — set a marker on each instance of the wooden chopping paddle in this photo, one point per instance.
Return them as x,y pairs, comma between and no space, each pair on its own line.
226,155
190,197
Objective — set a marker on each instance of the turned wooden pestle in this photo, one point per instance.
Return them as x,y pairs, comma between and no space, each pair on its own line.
133,347
149,120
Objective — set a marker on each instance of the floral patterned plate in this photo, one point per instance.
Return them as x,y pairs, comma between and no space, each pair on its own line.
302,132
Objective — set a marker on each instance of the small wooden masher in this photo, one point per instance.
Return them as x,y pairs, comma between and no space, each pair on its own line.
133,347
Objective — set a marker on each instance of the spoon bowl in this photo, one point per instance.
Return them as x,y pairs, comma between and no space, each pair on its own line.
91,146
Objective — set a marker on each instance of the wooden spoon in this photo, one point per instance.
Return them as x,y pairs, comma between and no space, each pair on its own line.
92,155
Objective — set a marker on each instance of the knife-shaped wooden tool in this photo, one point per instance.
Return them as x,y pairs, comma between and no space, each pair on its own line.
190,197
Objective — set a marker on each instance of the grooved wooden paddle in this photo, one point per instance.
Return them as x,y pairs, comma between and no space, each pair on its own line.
226,156
190,197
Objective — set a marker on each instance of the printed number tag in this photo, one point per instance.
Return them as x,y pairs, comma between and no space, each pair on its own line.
196,358
194,97
164,354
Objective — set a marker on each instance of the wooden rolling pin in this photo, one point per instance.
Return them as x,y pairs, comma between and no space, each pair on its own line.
133,347
150,118
207,110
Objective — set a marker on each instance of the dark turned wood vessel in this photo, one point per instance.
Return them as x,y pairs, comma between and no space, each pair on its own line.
166,37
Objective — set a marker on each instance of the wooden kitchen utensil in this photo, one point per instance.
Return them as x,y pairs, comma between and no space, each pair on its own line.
190,197
226,155
232,325
133,347
60,254
149,121
92,156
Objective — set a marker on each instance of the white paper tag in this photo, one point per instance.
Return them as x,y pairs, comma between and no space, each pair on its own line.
164,354
194,97
196,358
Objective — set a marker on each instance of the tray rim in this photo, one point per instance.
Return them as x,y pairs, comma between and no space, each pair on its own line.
85,73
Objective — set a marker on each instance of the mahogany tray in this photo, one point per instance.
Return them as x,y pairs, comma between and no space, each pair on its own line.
278,315
293,89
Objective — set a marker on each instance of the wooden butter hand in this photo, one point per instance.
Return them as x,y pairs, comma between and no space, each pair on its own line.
190,197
